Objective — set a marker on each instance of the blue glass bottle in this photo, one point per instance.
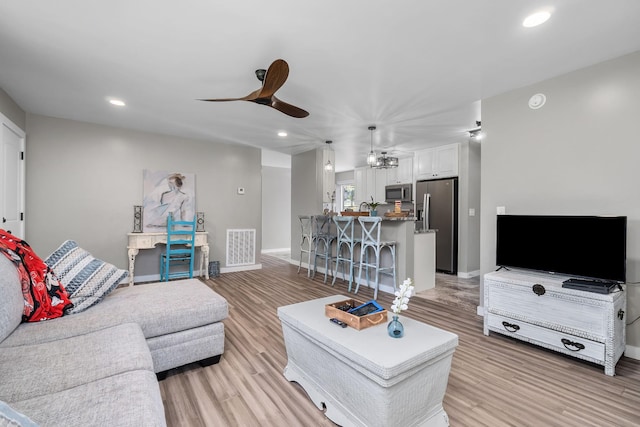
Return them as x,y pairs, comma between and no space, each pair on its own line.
395,328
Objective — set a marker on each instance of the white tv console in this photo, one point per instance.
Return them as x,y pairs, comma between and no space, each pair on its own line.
536,308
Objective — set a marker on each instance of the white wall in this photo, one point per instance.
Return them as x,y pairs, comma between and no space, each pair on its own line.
84,179
276,208
306,199
577,155
12,111
276,201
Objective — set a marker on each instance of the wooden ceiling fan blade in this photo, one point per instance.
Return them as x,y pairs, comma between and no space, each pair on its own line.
274,79
288,109
251,97
222,99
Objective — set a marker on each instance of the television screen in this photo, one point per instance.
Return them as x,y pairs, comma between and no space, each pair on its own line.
592,247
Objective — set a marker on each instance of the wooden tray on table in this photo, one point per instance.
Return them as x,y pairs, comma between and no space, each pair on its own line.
356,322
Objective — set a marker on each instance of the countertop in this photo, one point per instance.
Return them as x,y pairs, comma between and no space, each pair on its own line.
398,218
420,230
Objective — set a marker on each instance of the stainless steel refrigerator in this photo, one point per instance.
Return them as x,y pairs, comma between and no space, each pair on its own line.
437,209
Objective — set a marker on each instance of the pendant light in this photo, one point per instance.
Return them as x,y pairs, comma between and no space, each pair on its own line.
371,158
386,162
328,166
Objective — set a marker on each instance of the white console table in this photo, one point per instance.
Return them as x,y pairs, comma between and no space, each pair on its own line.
537,309
139,241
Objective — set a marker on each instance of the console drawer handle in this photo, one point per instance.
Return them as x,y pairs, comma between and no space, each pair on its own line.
572,346
510,327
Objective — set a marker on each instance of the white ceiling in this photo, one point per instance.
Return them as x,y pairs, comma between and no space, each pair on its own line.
415,68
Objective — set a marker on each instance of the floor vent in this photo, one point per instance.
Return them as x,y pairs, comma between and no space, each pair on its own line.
241,247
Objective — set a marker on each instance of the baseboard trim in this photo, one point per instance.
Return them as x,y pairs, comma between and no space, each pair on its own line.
269,251
241,268
469,275
632,352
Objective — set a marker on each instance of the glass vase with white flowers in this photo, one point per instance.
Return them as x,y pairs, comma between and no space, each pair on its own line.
401,302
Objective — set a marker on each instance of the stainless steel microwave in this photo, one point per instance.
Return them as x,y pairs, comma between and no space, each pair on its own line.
398,192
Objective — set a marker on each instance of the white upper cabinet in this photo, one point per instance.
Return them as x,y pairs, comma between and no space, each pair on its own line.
403,174
371,182
365,183
438,162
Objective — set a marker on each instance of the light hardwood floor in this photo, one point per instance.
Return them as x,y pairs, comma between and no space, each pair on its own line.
494,381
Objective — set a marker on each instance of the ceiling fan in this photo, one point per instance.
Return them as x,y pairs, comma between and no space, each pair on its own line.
272,80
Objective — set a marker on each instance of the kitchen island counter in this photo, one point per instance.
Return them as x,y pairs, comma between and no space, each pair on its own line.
415,253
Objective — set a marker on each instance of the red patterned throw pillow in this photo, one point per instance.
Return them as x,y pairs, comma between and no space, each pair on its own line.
44,296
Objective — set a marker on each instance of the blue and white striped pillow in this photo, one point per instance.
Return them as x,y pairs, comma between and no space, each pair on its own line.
87,279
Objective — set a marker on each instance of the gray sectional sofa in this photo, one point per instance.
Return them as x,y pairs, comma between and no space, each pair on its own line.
100,367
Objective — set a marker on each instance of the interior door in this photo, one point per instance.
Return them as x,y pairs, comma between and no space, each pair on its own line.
12,178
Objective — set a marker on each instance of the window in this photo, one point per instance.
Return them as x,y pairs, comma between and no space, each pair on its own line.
347,194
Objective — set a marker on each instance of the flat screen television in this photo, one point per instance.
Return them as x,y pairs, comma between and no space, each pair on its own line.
592,247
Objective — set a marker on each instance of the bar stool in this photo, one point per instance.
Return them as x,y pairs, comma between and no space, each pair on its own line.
372,245
307,242
345,247
323,238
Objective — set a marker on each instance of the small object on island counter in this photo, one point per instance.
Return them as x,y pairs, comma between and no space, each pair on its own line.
396,214
398,206
354,213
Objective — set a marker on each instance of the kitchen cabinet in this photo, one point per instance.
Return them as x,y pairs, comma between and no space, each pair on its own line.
381,183
371,182
438,162
365,183
328,178
404,172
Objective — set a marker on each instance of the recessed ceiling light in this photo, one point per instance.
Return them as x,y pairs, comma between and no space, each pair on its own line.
282,133
117,102
536,19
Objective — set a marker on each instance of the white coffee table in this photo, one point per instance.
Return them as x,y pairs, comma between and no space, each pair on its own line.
366,378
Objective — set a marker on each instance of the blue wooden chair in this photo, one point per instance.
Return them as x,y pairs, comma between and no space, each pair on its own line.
181,236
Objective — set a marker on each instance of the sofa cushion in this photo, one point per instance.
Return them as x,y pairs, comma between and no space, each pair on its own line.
11,302
87,279
33,370
9,417
129,399
169,307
